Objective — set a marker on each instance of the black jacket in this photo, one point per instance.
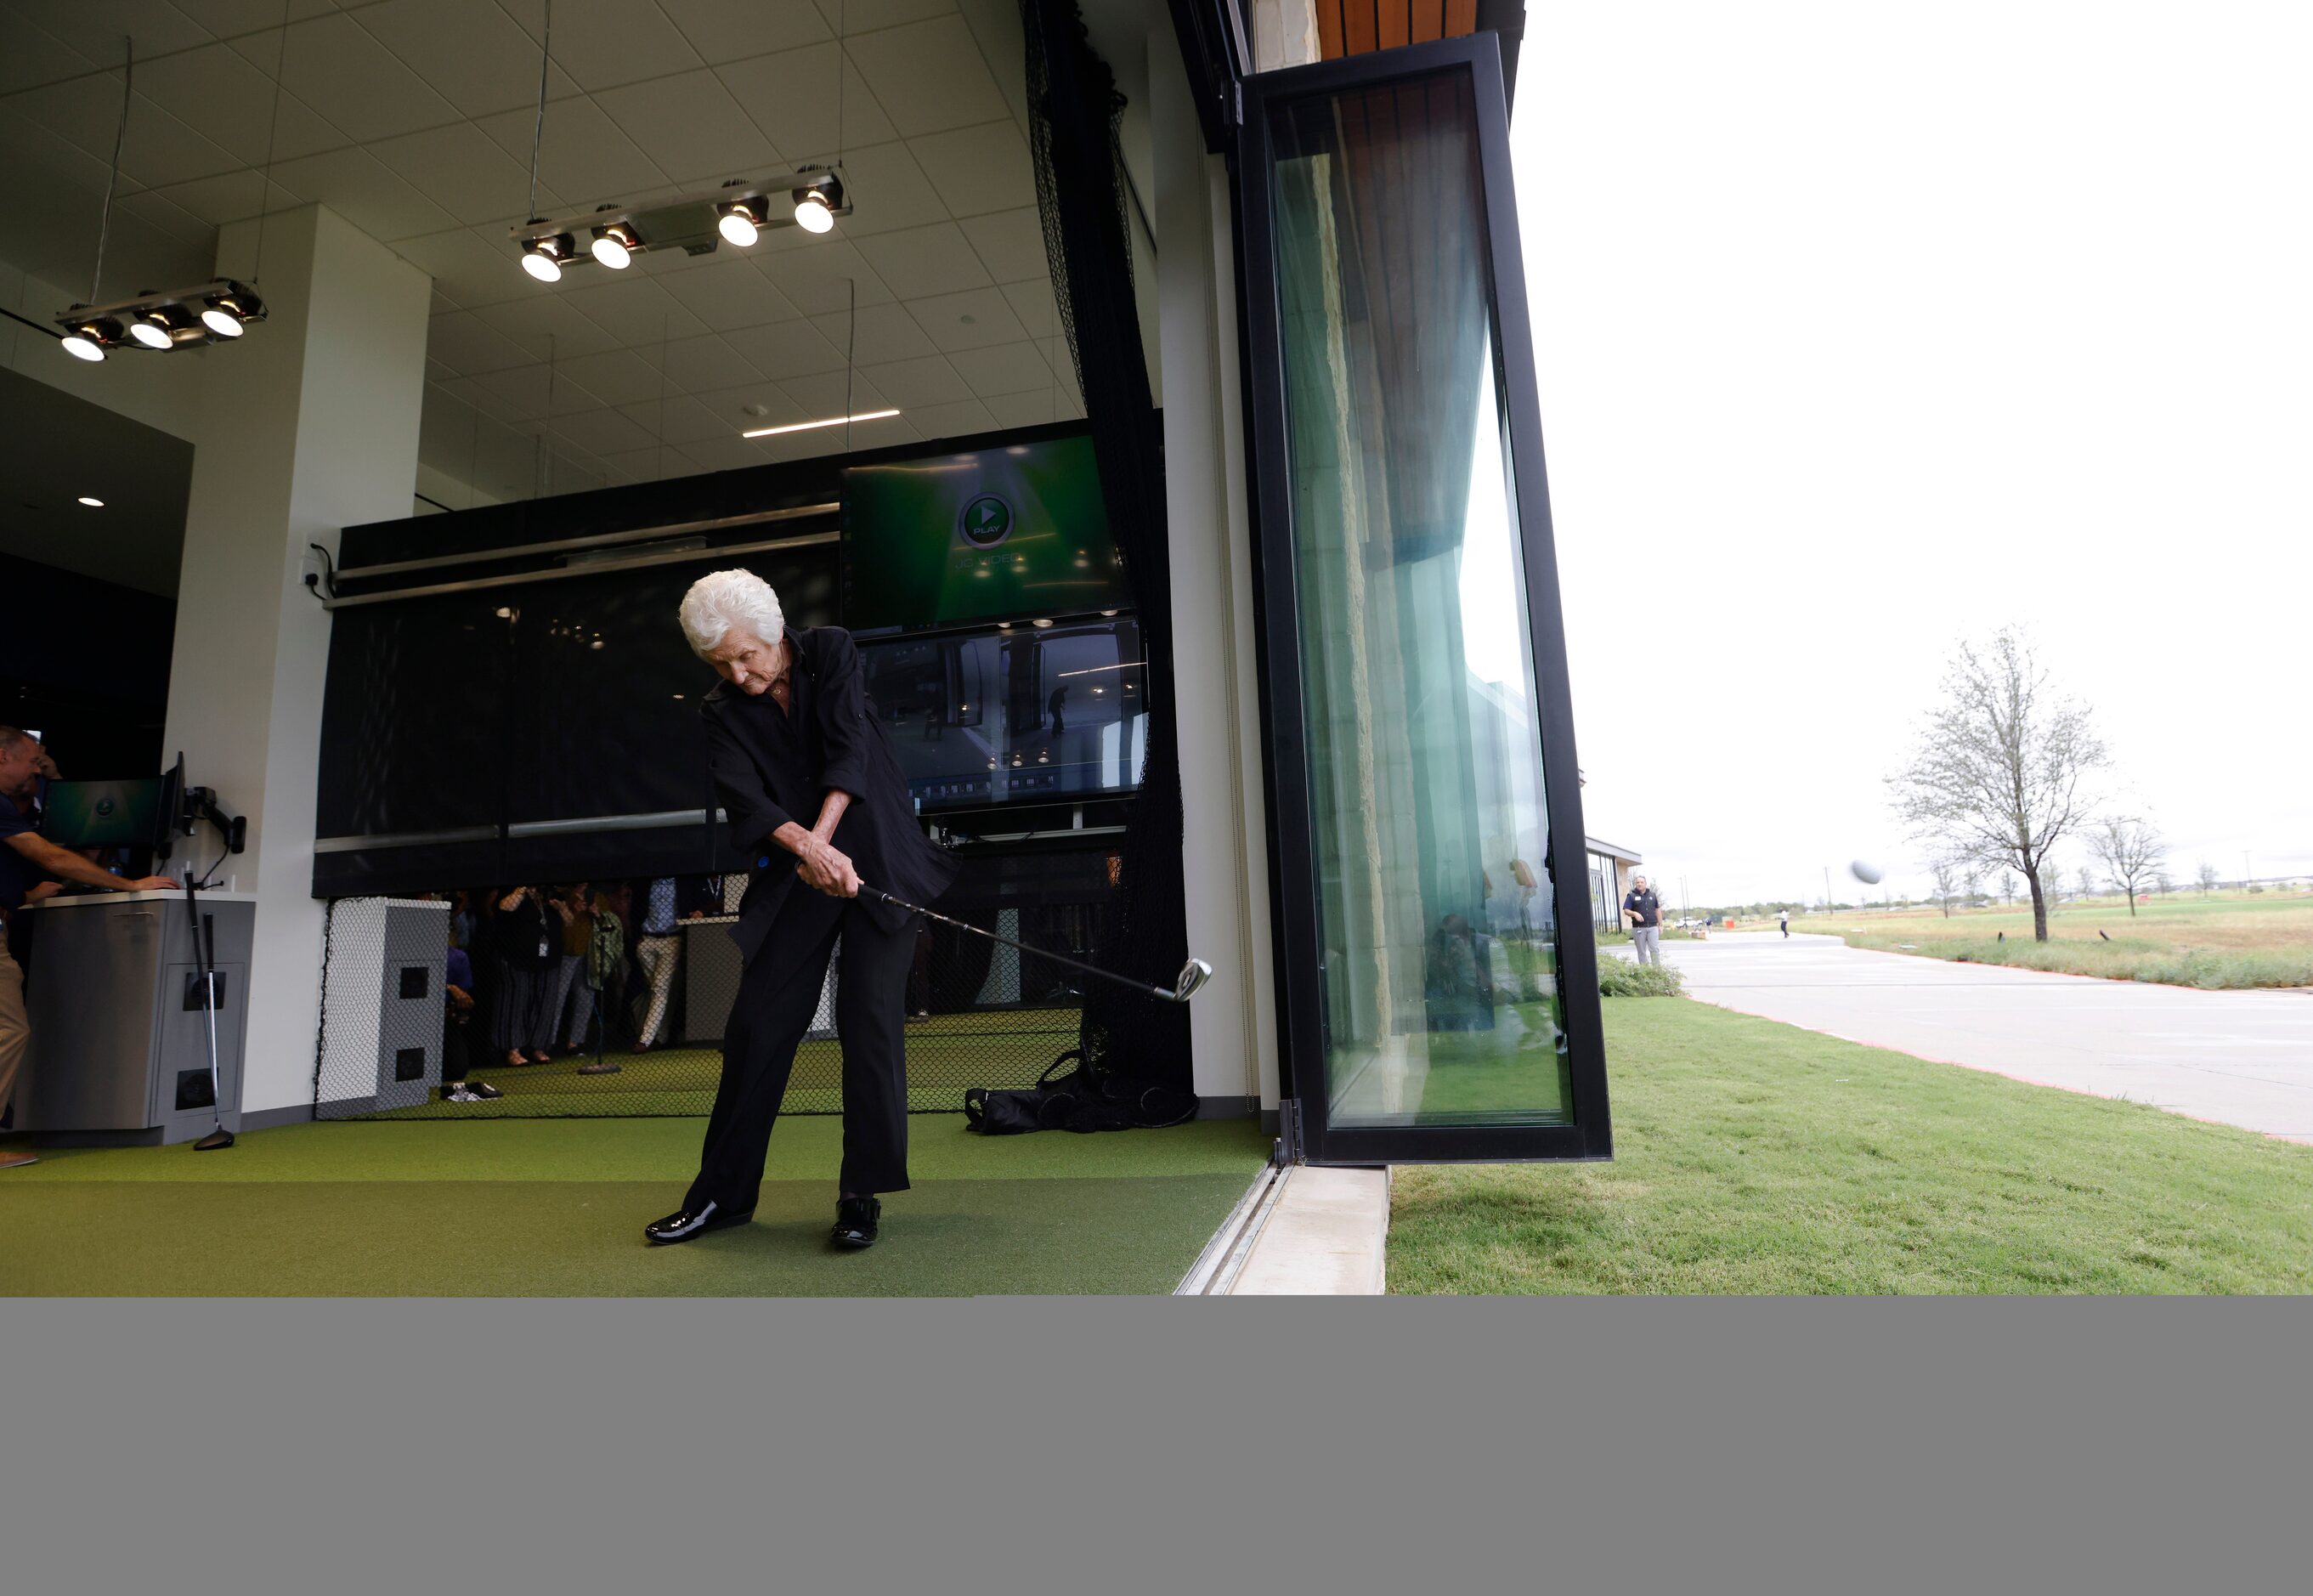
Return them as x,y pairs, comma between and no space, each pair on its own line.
770,769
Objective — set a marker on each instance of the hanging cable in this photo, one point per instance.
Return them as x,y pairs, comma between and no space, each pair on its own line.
538,131
273,127
112,182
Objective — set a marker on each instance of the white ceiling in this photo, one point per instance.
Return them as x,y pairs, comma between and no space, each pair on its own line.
413,120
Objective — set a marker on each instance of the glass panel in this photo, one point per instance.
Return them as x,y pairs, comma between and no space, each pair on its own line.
1424,749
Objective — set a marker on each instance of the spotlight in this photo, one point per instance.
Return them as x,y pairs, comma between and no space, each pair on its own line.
150,329
615,246
88,340
542,257
741,220
815,204
91,501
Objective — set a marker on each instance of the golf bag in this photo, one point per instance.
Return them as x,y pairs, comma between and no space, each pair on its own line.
1082,1100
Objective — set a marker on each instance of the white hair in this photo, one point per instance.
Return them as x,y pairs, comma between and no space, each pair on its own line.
721,600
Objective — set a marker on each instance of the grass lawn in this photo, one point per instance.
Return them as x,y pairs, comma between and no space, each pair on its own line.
1753,1156
2230,939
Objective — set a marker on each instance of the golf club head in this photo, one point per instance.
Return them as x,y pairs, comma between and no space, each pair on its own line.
1194,974
215,1140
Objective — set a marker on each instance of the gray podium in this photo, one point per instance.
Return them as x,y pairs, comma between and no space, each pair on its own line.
120,1036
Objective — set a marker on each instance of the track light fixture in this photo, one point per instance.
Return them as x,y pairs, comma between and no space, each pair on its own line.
208,313
615,246
737,214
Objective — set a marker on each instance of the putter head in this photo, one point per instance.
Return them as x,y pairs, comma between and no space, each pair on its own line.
1194,974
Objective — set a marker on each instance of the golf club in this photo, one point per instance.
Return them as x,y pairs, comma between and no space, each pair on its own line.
1194,974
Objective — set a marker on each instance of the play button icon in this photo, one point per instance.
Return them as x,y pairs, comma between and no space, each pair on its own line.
986,522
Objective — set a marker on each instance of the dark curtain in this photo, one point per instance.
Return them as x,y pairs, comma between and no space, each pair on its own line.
1073,105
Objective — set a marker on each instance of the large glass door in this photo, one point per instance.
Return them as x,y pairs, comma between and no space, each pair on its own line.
1441,990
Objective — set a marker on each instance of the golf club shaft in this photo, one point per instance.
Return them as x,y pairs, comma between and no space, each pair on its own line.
867,891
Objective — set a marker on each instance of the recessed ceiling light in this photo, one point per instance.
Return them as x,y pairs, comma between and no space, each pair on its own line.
92,502
830,421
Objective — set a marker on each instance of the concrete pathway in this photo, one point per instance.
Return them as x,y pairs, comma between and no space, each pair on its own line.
1325,1238
2241,1058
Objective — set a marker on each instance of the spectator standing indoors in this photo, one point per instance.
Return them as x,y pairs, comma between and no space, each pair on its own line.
30,867
523,953
571,923
1643,910
457,1031
659,950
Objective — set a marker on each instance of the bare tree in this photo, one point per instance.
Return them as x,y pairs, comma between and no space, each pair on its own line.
2207,878
2087,882
2161,883
1946,872
1974,885
1999,772
2008,891
2131,851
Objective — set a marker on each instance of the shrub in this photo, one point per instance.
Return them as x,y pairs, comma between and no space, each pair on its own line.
1621,978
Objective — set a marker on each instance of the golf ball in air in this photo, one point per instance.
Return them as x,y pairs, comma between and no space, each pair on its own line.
1864,871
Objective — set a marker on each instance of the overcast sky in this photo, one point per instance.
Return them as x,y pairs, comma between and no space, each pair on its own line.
1862,327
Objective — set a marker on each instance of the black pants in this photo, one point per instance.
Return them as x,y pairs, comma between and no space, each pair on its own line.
777,995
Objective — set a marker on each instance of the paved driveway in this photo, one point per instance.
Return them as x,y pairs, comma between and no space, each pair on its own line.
2242,1058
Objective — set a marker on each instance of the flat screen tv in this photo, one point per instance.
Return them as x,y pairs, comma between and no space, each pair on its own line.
1028,714
1010,533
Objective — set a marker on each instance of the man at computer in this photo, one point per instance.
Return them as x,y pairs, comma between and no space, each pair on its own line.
30,868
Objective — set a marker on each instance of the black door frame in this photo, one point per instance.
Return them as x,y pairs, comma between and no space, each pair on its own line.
1301,1010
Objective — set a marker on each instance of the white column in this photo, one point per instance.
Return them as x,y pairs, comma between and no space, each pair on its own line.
310,425
1233,1025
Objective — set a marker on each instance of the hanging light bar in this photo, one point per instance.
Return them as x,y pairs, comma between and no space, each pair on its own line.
810,197
210,313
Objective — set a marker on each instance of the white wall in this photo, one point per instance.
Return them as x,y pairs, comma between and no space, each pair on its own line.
310,424
1234,1025
162,390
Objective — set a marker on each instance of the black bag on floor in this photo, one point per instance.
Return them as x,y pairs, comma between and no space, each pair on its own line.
1079,1101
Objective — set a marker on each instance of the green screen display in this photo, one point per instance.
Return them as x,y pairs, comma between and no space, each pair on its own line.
102,813
1012,533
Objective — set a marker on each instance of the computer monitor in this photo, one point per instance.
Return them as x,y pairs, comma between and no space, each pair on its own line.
146,812
1013,533
1026,714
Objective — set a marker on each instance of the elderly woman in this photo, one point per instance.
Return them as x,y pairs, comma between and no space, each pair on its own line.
814,794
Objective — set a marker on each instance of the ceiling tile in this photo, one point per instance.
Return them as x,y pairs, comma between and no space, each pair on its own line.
733,29
520,392
970,321
866,16
728,294
601,432
1003,368
888,192
226,18
31,56
681,420
356,82
602,43
791,97
883,333
978,170
462,264
581,155
217,200
460,169
929,77
1010,244
469,346
701,365
786,349
961,420
635,311
230,99
1032,301
472,56
690,128
912,384
829,393
484,402
1024,409
546,325
736,409
157,211
157,150
822,277
925,261
725,454
1055,351
616,377
359,187
95,27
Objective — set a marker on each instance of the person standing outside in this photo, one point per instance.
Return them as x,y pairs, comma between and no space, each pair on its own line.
812,786
1783,919
1643,911
30,867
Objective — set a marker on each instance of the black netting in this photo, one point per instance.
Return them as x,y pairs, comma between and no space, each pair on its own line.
1074,107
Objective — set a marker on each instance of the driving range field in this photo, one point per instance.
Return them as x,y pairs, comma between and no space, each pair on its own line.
2226,940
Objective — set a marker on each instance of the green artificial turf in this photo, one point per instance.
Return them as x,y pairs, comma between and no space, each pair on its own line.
556,1207
1753,1157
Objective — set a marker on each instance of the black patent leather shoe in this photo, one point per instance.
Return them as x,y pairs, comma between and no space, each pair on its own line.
855,1222
684,1223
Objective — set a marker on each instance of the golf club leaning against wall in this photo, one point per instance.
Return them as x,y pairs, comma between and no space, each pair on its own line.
1194,974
